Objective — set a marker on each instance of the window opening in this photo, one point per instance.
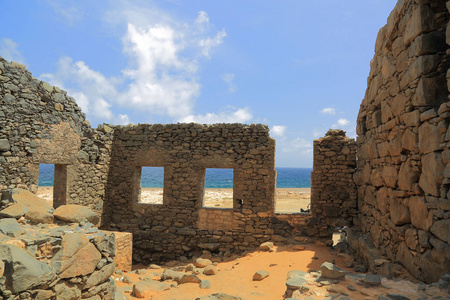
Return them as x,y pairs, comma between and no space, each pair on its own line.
218,189
293,193
151,185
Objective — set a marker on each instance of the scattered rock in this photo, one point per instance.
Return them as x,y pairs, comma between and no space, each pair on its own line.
260,275
39,217
189,267
210,270
204,284
372,280
360,268
15,210
127,279
75,214
202,262
223,296
171,275
266,246
153,266
22,271
10,227
329,270
142,288
186,278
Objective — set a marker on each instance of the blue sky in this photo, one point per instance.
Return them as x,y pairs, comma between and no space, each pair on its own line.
298,66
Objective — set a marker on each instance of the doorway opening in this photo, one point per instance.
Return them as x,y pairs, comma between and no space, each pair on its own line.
52,184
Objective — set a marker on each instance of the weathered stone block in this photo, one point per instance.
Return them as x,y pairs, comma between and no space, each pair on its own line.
421,21
420,216
4,145
432,173
441,229
430,91
399,213
390,176
407,176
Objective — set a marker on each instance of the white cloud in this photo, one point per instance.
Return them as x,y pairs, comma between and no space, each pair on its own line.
239,115
297,145
91,89
162,75
328,111
202,21
9,51
162,82
278,130
340,123
209,43
123,119
229,79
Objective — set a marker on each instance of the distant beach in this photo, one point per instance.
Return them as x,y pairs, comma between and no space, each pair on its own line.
289,200
293,187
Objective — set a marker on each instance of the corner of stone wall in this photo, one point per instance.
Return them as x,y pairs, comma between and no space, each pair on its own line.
403,174
333,192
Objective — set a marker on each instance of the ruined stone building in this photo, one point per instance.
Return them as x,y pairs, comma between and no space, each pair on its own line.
392,184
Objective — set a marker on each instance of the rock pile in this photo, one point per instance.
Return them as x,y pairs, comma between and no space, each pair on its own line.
47,261
336,283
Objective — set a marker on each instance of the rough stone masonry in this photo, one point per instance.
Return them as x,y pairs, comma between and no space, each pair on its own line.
402,174
403,169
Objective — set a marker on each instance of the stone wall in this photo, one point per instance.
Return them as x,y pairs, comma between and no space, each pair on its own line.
403,140
333,192
41,124
179,225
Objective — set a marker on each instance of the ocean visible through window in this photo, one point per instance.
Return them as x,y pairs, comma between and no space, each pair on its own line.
217,178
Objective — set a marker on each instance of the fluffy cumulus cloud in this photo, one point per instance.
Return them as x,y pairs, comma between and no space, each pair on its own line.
328,111
341,123
232,115
91,89
161,78
278,130
9,51
162,81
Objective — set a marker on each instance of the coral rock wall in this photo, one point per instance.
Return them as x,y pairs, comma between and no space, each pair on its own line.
41,124
181,225
333,192
403,140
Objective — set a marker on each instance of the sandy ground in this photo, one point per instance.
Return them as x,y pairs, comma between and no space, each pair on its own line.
235,277
289,200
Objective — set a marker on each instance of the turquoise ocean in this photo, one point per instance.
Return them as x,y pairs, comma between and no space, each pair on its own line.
215,178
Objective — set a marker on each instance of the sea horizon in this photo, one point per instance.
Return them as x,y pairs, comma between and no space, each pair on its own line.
287,177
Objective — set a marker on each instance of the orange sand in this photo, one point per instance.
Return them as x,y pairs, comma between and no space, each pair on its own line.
235,277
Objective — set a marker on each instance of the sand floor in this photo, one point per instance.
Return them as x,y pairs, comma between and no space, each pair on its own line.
235,277
289,200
